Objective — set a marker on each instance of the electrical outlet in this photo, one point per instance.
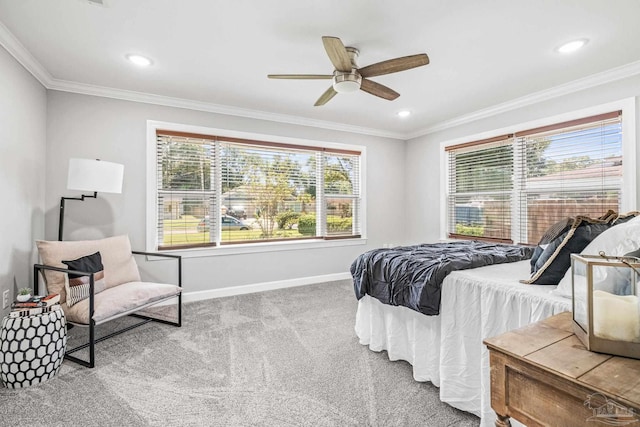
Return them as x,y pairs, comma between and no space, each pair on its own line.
5,299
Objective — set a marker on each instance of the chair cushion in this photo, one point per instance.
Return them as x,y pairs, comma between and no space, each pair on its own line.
119,300
119,265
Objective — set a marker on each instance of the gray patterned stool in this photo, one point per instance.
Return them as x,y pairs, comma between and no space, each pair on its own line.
32,348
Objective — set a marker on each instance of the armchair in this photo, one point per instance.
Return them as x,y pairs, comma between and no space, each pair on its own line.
123,293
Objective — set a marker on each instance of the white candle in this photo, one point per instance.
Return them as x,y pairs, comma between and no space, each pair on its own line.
616,317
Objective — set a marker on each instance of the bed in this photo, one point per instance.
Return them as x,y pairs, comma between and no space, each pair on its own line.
442,339
447,349
412,276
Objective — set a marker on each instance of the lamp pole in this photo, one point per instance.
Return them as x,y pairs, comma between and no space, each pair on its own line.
62,203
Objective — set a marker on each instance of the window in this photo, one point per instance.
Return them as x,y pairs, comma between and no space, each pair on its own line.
215,190
513,187
480,188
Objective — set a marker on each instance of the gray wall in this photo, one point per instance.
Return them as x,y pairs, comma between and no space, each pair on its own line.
93,127
422,155
22,171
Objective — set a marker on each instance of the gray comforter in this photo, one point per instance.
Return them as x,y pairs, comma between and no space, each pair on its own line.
412,276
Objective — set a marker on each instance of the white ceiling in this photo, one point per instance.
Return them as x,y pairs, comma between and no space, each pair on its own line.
218,53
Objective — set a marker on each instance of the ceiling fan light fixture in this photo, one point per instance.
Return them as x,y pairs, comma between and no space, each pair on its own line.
403,113
346,82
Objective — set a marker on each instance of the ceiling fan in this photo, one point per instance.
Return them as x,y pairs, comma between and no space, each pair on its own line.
347,77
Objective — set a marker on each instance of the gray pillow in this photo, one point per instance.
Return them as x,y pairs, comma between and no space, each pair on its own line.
555,259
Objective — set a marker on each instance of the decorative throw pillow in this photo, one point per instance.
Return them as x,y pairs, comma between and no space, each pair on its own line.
556,233
635,253
619,240
77,286
622,218
555,260
553,233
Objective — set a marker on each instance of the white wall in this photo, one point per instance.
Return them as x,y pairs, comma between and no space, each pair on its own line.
22,171
422,155
93,127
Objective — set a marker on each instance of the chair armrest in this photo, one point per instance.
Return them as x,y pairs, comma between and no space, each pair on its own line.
37,268
158,254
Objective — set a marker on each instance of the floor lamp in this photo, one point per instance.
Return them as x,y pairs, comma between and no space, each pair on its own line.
94,176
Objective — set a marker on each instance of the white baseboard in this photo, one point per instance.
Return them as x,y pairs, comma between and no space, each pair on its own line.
260,287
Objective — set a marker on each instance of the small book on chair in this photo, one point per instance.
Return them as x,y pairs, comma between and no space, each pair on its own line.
37,301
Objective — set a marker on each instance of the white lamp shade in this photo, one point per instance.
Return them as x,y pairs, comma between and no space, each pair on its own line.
95,175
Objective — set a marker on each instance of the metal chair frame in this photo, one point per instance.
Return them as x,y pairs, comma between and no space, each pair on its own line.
38,268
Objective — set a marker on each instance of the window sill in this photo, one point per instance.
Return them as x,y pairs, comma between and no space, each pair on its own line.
248,248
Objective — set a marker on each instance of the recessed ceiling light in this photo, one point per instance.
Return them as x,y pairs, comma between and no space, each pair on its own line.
139,60
572,46
403,113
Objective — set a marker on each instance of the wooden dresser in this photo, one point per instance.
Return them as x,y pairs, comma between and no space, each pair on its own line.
542,375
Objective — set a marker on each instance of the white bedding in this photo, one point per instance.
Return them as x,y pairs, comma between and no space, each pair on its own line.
447,349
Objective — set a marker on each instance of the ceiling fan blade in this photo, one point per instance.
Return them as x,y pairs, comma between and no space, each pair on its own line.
377,89
325,97
337,53
394,65
300,76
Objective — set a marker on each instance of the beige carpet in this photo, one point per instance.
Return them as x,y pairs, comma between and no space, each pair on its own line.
281,358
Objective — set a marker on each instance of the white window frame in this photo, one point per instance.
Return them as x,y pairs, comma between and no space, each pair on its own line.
628,190
265,246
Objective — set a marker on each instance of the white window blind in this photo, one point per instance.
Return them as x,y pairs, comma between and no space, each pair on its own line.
573,168
480,189
215,191
341,195
186,190
274,186
514,187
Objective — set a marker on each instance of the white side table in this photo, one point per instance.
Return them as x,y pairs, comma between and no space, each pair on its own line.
32,348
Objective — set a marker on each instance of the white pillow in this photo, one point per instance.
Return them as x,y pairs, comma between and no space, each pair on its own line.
616,241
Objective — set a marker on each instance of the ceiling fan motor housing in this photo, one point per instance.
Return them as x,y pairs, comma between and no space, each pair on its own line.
348,81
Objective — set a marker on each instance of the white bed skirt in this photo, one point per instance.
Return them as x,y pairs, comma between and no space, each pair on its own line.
447,349
404,333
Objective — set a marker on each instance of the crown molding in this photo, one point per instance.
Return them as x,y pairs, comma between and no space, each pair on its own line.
23,56
28,61
593,80
148,98
607,76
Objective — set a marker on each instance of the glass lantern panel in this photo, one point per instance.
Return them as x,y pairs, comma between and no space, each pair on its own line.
580,294
616,314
